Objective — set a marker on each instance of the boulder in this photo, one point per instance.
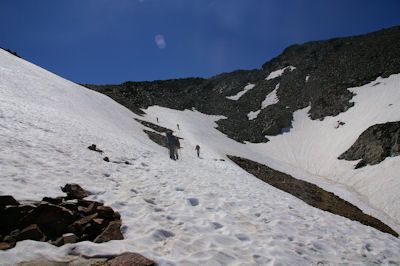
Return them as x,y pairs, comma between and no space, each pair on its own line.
112,232
131,259
58,242
58,221
79,225
7,200
75,191
55,201
6,245
53,220
11,216
105,212
88,210
32,232
69,238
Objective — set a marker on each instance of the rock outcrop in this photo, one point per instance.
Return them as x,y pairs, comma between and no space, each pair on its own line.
58,221
375,144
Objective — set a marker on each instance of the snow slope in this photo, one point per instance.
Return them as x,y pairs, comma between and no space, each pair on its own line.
189,212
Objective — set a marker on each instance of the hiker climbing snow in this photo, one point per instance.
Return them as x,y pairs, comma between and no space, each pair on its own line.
197,150
171,143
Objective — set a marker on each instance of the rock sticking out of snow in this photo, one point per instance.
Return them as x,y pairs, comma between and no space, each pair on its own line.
58,221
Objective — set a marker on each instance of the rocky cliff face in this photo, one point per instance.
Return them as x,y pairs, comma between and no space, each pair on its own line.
315,74
375,144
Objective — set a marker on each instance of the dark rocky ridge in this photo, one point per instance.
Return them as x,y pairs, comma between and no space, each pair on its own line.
311,194
11,52
375,144
332,66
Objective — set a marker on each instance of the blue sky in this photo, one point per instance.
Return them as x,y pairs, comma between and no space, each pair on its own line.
112,41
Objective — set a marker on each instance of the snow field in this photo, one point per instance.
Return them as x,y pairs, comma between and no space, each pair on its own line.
190,212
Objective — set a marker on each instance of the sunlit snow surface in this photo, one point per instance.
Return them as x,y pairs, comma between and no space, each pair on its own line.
279,72
46,124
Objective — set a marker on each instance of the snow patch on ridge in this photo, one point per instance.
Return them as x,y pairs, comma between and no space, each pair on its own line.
253,115
241,93
270,99
279,72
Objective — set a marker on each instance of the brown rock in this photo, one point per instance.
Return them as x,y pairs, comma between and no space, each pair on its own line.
55,201
105,212
7,200
88,210
69,238
31,232
52,219
112,232
58,242
78,226
87,203
131,259
75,191
6,245
10,239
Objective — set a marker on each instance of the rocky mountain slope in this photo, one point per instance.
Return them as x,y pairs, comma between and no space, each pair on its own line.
327,110
315,74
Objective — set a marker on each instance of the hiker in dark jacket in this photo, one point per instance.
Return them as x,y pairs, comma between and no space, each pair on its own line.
171,143
198,150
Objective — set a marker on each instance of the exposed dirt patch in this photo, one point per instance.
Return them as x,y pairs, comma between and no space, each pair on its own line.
155,127
311,194
157,138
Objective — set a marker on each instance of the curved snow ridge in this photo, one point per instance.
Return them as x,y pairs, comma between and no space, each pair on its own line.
279,72
241,93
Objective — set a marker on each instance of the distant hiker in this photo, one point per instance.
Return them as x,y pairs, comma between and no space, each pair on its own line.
157,119
177,147
197,150
171,143
177,125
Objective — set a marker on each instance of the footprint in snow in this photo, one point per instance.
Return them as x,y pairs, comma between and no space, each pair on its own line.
242,237
216,225
161,234
193,201
150,201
